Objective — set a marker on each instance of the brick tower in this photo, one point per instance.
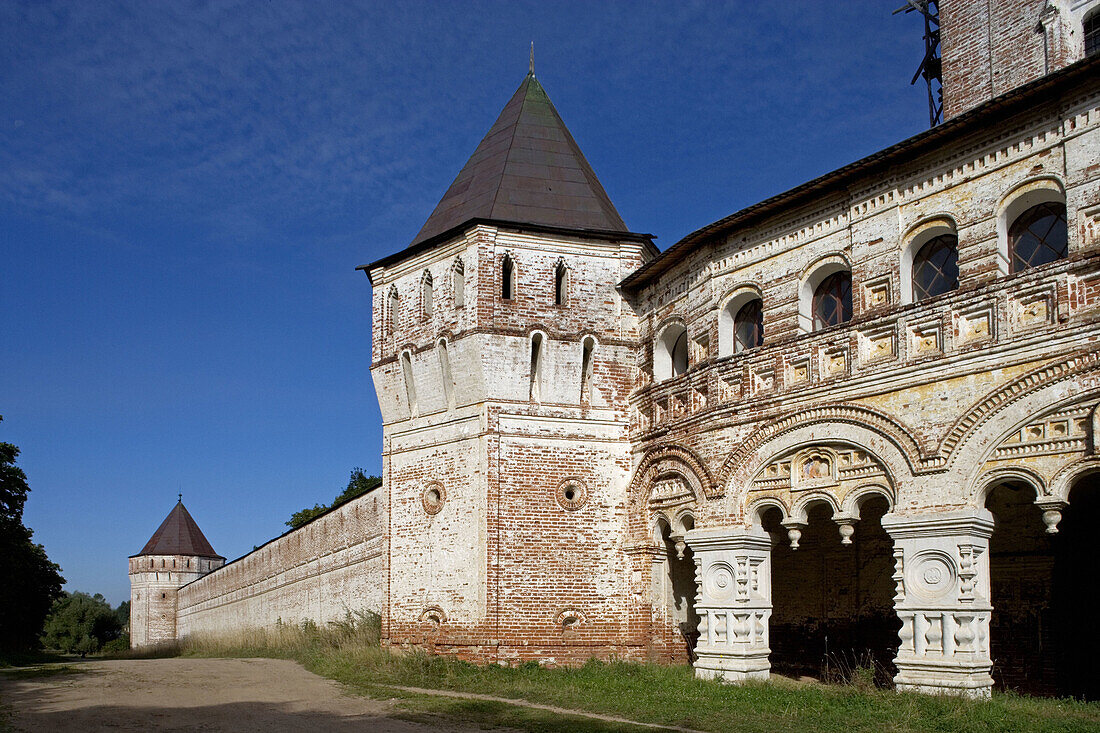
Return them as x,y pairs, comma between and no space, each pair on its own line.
992,48
176,554
503,359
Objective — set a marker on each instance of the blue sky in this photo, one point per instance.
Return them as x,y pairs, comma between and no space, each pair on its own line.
187,188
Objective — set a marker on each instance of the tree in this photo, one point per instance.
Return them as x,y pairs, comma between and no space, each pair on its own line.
359,484
29,582
81,623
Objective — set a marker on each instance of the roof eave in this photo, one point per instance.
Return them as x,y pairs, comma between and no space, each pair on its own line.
604,234
173,554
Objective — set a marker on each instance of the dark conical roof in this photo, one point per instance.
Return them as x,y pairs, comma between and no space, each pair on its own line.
179,535
527,170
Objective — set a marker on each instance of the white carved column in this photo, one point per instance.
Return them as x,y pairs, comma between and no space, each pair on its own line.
733,601
942,598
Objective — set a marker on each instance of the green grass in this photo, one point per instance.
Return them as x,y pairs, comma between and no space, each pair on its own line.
438,712
668,695
24,659
52,670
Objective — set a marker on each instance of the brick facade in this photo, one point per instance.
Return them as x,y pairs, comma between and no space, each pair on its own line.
989,48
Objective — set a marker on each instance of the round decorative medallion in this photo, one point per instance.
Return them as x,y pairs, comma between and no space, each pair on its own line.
572,494
932,573
433,497
718,583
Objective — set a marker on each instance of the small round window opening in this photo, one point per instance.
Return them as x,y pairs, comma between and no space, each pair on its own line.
572,494
568,620
433,498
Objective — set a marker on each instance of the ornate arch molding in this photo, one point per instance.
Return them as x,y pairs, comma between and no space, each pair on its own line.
669,458
876,422
853,503
974,422
1062,482
800,507
991,479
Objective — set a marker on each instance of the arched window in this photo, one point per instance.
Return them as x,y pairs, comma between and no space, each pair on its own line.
730,317
936,267
832,304
426,295
1038,236
507,278
680,355
670,352
1092,33
458,275
561,284
748,326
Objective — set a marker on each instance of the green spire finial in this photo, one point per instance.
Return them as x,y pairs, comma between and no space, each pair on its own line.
531,66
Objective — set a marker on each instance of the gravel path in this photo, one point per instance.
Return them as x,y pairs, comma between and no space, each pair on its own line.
195,695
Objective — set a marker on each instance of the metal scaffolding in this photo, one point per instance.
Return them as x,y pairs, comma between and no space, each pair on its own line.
930,68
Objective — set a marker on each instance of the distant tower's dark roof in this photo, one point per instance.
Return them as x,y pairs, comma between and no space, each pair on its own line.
179,535
527,170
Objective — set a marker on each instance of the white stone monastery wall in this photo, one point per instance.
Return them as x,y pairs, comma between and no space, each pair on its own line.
321,572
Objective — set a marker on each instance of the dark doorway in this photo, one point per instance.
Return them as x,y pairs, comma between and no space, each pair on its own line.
681,588
832,604
1043,636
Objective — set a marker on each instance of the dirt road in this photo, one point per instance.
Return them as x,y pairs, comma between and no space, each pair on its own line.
195,695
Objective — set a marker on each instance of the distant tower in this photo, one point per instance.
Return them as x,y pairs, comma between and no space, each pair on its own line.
176,554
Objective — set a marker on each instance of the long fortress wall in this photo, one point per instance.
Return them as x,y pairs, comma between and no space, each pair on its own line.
320,572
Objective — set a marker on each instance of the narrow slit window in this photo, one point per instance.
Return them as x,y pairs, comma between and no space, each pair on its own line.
536,367
459,275
392,312
561,284
410,385
445,373
507,278
426,294
588,347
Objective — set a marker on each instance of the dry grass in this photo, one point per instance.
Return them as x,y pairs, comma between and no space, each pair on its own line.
359,629
348,651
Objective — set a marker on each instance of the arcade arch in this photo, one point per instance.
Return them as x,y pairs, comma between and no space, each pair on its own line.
1043,589
667,490
832,562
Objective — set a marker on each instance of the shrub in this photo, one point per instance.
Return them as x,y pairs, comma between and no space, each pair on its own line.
81,624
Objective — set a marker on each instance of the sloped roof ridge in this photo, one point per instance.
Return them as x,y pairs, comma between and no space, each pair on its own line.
524,86
540,177
179,534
